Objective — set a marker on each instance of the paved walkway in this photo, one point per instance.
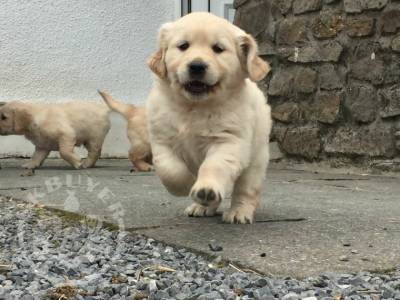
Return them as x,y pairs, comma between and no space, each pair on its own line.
308,223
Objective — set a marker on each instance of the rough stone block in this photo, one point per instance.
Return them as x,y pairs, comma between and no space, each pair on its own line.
352,6
266,47
397,135
291,31
357,6
392,68
286,112
396,44
281,83
374,4
305,80
339,65
362,48
284,6
390,98
253,16
329,78
327,25
368,69
278,132
360,26
238,3
390,21
303,141
361,101
275,152
323,52
327,107
303,6
284,52
385,42
372,140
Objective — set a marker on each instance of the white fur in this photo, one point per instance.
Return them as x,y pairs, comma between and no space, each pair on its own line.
58,127
218,142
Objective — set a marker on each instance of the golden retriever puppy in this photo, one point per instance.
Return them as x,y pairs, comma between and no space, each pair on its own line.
140,151
58,127
208,121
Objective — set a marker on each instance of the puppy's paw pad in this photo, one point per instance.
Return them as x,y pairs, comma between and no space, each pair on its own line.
240,215
205,195
197,210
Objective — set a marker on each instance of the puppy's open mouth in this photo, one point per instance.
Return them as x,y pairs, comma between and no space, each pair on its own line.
198,88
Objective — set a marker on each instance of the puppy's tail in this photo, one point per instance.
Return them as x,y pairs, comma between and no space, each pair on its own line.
126,110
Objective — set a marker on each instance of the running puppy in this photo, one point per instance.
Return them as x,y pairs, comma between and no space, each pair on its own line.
209,123
57,127
140,151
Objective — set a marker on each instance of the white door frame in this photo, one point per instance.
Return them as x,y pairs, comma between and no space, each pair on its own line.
178,8
215,6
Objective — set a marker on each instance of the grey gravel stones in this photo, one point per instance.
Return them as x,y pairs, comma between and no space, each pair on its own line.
215,247
51,258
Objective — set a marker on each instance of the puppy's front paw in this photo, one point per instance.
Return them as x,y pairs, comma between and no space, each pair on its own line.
29,172
30,165
86,163
78,165
142,167
243,214
197,210
206,195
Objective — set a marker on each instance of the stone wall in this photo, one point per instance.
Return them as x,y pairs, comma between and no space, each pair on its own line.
335,81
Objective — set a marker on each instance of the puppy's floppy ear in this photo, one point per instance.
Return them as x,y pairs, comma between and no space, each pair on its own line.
22,120
156,61
255,66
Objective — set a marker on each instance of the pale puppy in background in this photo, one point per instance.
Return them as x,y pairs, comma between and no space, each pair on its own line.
208,121
140,151
58,127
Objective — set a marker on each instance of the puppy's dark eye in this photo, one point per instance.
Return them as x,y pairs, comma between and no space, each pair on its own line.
3,117
183,46
217,49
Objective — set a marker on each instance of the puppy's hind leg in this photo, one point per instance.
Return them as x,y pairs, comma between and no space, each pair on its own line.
137,155
94,152
66,146
37,159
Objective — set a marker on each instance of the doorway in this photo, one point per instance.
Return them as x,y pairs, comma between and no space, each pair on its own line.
221,8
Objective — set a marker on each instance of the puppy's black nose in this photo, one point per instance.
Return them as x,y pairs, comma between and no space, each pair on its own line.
197,69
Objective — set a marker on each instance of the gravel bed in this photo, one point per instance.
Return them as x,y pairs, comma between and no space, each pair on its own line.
43,256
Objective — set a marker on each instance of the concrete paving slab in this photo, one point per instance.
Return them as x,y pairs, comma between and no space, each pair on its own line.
308,223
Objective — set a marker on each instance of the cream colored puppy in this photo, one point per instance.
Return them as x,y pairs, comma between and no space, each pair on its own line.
209,123
140,151
57,127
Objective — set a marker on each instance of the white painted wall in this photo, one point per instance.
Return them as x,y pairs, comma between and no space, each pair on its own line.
67,49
